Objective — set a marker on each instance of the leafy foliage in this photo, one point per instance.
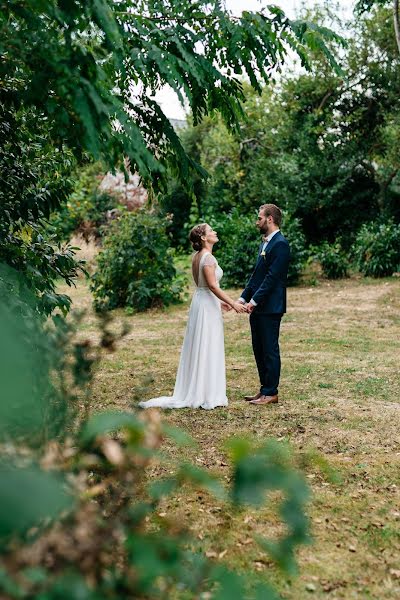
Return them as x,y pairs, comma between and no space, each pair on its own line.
135,268
23,366
78,80
42,370
269,469
377,250
86,208
47,498
366,5
35,179
86,503
238,246
293,231
80,65
176,206
322,147
333,260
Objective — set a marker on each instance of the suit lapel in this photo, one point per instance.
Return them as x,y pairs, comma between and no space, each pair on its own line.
259,257
262,259
273,241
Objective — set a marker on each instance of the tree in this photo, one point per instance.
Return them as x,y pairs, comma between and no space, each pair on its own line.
324,147
78,63
35,178
365,5
78,80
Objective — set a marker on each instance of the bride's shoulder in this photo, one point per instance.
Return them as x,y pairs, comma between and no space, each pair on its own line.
208,260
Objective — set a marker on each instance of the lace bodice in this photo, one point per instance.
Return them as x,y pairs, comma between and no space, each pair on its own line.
208,260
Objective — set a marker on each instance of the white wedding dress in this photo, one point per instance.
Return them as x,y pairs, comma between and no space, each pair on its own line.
200,381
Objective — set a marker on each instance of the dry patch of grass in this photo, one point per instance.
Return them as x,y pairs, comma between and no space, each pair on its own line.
340,400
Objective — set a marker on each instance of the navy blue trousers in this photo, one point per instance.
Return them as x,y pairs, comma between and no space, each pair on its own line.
265,339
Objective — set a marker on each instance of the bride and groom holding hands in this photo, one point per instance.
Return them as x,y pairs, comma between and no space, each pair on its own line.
200,381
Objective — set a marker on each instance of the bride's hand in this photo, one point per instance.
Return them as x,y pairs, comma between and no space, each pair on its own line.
225,307
239,307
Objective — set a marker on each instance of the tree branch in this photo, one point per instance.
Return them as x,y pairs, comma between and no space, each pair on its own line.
325,100
396,19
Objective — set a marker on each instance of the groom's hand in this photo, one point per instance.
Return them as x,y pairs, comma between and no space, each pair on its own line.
250,307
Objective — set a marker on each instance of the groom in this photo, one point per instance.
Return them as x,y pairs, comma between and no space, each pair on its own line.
265,297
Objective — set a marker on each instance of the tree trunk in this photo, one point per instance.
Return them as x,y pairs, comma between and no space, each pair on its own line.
396,18
383,188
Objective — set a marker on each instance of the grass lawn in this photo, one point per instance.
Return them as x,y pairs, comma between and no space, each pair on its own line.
340,400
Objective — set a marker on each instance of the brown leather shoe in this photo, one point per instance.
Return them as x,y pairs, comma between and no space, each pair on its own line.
250,398
265,400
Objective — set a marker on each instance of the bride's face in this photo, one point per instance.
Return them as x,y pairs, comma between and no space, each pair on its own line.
210,235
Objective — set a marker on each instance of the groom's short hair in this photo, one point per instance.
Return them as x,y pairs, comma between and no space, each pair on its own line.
273,211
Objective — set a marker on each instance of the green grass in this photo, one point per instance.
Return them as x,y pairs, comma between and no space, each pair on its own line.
339,410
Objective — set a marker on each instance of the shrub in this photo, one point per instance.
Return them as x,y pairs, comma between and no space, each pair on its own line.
237,249
135,268
333,260
377,250
292,230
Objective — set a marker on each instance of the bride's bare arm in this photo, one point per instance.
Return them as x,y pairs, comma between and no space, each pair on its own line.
209,276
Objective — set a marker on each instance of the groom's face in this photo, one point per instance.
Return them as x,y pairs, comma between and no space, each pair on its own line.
262,222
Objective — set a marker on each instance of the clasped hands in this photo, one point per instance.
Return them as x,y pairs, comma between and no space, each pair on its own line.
238,307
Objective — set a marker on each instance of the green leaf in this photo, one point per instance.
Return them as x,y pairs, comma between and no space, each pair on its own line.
9,586
106,20
230,586
163,487
107,422
238,448
281,552
178,435
46,493
70,586
36,575
202,478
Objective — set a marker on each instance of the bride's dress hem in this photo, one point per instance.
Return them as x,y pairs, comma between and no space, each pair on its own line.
166,402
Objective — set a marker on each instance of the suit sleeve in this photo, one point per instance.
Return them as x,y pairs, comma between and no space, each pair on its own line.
280,255
247,293
250,288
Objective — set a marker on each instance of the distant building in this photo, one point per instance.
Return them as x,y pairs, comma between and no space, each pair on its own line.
131,194
178,123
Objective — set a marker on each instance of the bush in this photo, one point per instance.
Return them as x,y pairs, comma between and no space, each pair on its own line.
293,231
377,250
333,260
237,249
176,205
135,268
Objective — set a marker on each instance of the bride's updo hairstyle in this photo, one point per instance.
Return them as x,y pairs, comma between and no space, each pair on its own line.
196,234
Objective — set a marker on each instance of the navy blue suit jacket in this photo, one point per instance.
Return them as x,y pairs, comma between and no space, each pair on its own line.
268,282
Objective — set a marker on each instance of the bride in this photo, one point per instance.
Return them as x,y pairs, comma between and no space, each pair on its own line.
200,381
